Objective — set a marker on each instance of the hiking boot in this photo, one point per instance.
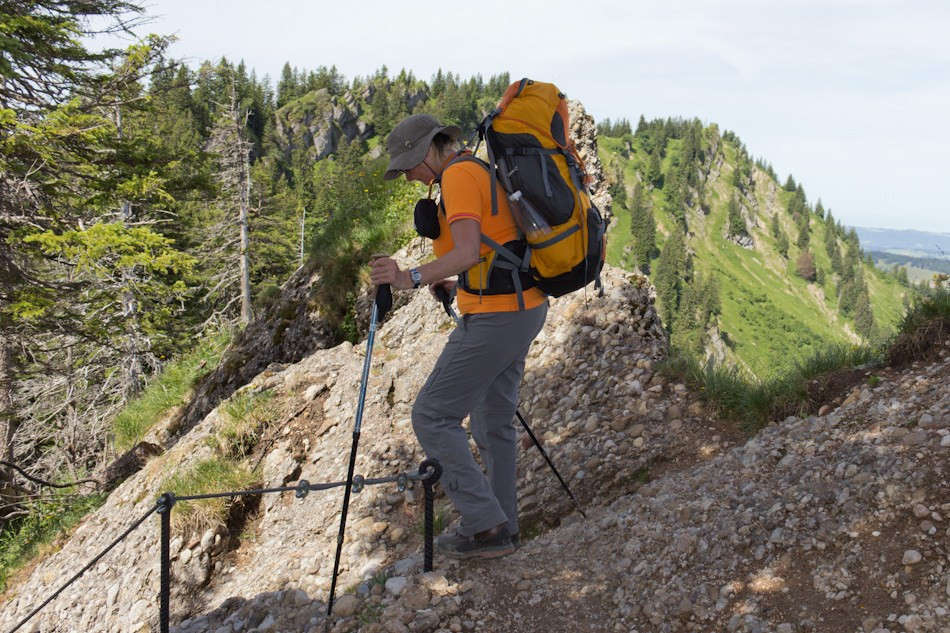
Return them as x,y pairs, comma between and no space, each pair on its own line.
493,543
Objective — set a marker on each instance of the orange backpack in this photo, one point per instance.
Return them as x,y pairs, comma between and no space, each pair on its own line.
531,153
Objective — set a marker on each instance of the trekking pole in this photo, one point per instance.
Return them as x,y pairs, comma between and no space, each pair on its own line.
544,454
381,305
442,294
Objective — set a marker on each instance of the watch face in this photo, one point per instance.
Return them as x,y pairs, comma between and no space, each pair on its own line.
416,276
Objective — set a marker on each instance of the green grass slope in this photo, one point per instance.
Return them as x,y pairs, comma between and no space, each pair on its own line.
770,318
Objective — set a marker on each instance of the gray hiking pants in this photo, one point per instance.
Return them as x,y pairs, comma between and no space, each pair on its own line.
479,374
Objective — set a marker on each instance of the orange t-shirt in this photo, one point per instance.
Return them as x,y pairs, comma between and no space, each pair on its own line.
465,195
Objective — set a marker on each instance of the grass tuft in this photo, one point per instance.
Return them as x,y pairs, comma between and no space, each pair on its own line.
166,391
246,415
207,476
926,322
439,515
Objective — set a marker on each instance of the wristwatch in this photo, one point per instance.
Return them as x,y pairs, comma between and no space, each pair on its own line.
416,277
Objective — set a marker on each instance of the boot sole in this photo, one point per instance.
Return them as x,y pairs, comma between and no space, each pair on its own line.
498,552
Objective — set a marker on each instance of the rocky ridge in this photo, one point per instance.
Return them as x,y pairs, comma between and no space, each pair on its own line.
836,523
611,342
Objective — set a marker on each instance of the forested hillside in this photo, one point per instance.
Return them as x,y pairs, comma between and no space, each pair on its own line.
747,269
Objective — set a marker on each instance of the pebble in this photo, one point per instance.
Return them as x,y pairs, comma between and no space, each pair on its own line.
346,605
911,557
396,584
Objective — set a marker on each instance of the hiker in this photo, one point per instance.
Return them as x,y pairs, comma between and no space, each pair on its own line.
479,371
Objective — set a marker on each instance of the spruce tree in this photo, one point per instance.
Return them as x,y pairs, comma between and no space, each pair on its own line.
618,189
676,195
737,225
643,228
804,236
87,282
863,316
836,263
655,169
781,244
671,271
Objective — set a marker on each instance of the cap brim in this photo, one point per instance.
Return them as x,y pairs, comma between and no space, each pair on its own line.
407,160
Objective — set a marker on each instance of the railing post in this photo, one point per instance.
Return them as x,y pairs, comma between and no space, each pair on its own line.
428,483
166,503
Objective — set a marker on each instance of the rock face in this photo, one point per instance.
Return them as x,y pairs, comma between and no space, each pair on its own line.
584,134
289,331
319,121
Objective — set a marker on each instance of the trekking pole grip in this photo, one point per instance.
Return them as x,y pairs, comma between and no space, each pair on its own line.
428,483
383,301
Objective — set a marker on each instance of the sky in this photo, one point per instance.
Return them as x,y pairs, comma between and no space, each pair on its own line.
851,97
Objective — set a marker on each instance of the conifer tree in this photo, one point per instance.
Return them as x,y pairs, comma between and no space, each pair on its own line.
781,244
287,89
835,254
641,127
676,195
671,272
655,169
804,236
72,179
863,316
737,225
617,188
227,248
643,228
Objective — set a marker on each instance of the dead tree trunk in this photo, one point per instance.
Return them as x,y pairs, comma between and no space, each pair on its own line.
229,240
136,344
8,420
246,315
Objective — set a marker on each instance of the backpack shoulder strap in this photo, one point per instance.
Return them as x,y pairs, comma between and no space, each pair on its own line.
491,176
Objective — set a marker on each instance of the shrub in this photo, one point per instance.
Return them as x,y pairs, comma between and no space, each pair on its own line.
805,266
